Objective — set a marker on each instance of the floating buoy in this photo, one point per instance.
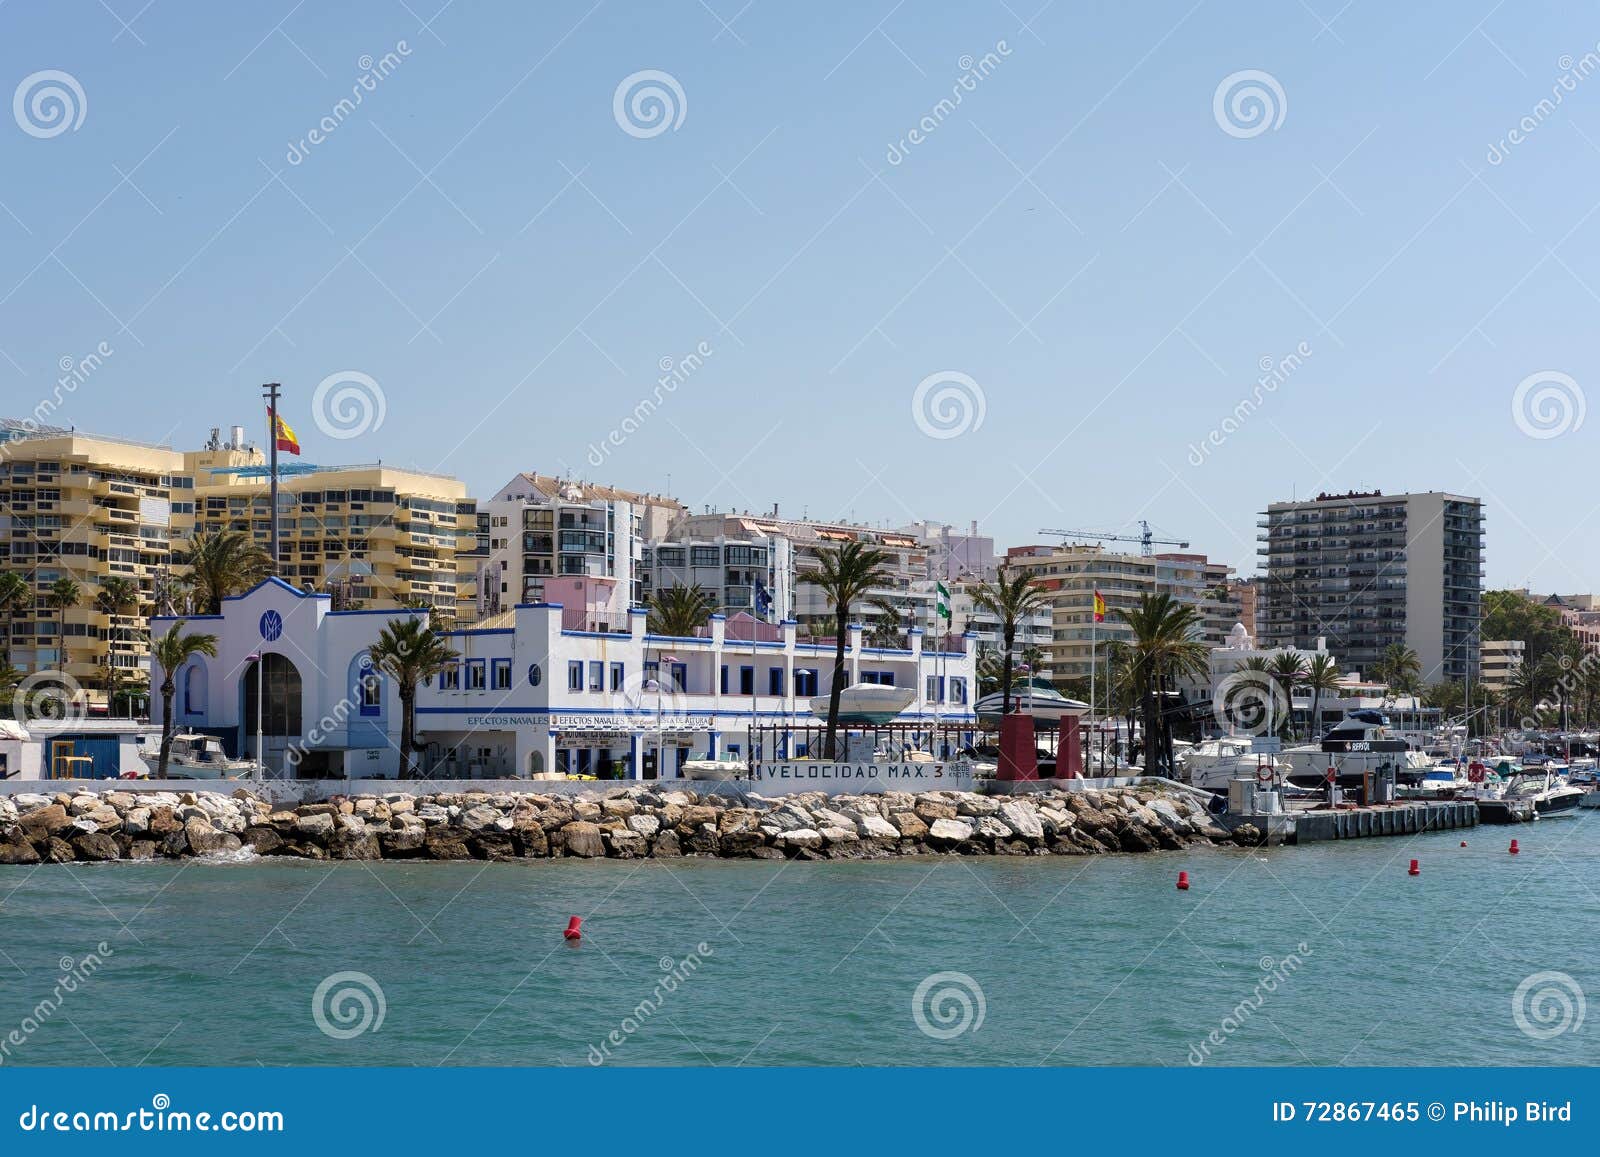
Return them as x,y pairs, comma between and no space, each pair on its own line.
1463,843
1183,881
1414,870
1514,848
572,932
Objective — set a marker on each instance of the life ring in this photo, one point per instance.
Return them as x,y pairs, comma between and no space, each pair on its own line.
1264,773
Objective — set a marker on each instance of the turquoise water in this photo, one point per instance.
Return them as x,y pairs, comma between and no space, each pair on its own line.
1079,961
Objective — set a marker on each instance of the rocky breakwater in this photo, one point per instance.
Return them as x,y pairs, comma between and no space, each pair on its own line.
619,822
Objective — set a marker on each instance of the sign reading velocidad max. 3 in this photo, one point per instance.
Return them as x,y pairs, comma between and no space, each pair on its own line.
803,775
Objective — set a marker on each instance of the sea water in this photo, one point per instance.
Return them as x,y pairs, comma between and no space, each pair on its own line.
1328,954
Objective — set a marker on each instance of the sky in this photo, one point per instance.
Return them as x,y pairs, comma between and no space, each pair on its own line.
1048,303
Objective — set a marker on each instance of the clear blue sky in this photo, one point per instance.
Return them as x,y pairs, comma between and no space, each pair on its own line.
1079,236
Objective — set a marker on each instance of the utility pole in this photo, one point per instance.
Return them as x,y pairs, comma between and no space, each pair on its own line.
270,391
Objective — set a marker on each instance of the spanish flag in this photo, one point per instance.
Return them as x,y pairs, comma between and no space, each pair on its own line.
1099,608
282,434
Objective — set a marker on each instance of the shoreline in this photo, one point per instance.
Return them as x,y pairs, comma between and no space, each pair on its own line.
616,823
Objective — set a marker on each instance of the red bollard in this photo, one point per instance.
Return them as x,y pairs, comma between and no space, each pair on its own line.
1414,870
1183,881
1514,848
572,932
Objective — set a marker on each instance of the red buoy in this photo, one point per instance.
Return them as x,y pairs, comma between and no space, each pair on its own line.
1183,881
1414,870
1514,848
1463,843
573,925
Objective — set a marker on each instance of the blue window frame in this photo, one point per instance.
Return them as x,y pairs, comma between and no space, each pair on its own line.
371,692
575,675
680,677
723,684
958,689
878,678
774,680
450,677
652,671
597,675
805,682
618,676
935,689
747,680
475,675
500,675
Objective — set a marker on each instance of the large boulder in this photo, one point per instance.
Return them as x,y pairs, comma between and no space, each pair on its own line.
1022,820
947,833
643,824
263,840
799,838
18,853
932,809
205,840
317,825
873,827
96,846
910,825
44,821
583,839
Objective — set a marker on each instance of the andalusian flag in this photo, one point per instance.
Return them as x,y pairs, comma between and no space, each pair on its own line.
282,434
942,604
1099,608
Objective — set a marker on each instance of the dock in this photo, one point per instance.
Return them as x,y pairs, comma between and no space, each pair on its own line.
1308,824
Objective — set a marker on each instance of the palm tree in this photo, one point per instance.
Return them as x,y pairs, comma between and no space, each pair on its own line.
10,679
679,611
409,651
64,593
116,595
1010,598
223,563
846,575
170,652
1287,667
1322,678
1399,668
1164,648
15,593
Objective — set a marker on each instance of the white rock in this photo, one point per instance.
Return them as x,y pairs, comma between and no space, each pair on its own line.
644,824
838,835
993,828
953,831
27,802
801,838
827,818
83,825
873,827
1022,820
1062,819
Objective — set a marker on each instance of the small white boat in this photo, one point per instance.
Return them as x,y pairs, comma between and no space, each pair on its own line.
196,756
866,703
1034,698
1212,764
714,770
1529,794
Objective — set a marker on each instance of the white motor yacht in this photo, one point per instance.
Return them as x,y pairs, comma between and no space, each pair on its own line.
1212,764
196,756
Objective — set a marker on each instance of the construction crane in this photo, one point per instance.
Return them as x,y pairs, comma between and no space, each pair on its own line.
1144,539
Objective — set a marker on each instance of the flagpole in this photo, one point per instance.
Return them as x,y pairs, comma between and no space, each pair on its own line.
1094,620
272,389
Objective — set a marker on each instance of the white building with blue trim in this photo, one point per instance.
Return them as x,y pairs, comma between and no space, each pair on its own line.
531,692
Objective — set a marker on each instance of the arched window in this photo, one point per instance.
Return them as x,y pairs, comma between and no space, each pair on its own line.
366,686
535,763
194,688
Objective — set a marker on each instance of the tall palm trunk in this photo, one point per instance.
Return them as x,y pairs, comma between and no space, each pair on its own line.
1010,638
1152,723
841,622
169,690
408,721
